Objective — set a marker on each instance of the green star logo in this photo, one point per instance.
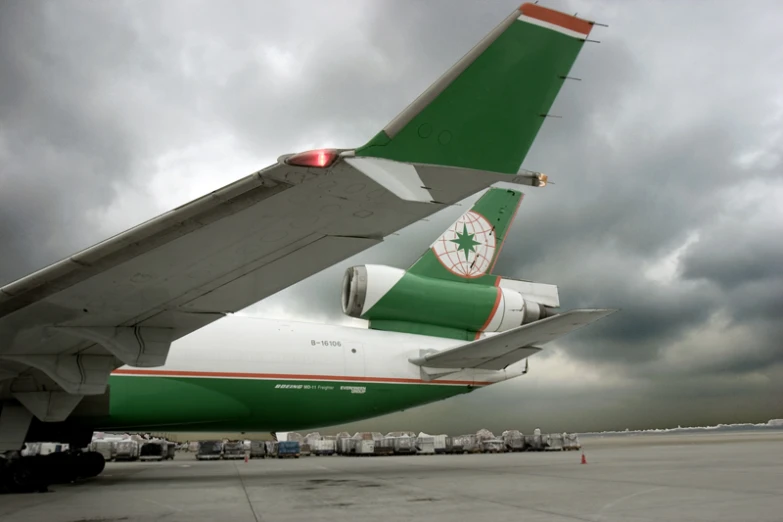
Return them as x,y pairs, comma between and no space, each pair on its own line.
465,242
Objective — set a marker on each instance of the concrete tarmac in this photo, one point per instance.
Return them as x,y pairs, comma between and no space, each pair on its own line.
723,477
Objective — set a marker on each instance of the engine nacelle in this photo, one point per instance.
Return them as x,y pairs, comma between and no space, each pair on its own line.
383,293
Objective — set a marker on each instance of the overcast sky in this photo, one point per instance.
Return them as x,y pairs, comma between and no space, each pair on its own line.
667,164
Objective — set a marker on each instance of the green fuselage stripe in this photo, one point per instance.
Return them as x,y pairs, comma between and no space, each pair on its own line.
145,403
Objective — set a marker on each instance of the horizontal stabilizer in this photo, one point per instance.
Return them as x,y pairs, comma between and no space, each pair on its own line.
498,351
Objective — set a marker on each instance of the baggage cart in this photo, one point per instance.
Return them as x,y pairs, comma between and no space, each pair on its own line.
209,450
493,446
324,447
154,450
513,440
233,450
127,450
384,446
404,445
257,449
288,449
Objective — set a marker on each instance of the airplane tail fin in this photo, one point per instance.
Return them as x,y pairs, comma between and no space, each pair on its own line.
468,250
485,112
450,291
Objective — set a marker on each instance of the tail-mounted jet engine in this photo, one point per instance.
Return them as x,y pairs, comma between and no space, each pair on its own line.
385,294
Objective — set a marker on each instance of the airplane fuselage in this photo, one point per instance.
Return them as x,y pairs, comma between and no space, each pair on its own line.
249,374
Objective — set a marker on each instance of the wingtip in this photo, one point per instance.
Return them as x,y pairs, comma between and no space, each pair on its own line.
558,18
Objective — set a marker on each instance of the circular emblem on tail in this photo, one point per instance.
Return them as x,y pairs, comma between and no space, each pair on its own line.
466,249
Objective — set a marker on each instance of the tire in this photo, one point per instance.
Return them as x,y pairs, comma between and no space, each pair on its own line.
89,464
21,476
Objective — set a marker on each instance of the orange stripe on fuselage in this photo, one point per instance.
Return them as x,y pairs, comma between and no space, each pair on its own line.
494,307
557,18
283,376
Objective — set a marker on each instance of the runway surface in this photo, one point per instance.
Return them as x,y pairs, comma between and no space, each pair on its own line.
717,477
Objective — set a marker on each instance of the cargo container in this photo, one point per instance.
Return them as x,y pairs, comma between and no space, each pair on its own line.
553,442
401,434
127,450
154,450
364,447
571,442
425,444
438,442
305,449
209,450
534,443
345,445
404,445
233,450
271,448
310,439
31,449
513,440
257,449
493,446
106,448
384,446
288,449
324,447
482,435
441,443
465,444
47,448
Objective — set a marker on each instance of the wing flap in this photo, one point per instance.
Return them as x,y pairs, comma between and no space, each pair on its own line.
498,351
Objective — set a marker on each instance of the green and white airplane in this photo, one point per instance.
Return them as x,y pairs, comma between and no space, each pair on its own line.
111,337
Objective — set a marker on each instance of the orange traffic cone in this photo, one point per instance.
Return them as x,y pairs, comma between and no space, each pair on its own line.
584,460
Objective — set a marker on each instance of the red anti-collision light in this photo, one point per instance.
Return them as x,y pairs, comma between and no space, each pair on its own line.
314,158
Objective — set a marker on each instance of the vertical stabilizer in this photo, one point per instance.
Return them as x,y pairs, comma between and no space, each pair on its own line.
468,250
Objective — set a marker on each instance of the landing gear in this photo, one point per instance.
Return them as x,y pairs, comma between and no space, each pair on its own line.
21,474
27,474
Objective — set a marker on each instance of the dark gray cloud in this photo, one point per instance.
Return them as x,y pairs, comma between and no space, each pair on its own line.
666,163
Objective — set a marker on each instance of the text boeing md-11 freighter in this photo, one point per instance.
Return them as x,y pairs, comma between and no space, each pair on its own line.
86,343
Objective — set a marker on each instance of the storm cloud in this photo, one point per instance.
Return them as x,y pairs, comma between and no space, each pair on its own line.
666,163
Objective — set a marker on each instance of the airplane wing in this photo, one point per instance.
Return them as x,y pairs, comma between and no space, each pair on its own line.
64,328
498,351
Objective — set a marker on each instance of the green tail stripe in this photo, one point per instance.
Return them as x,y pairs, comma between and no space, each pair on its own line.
469,253
487,117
